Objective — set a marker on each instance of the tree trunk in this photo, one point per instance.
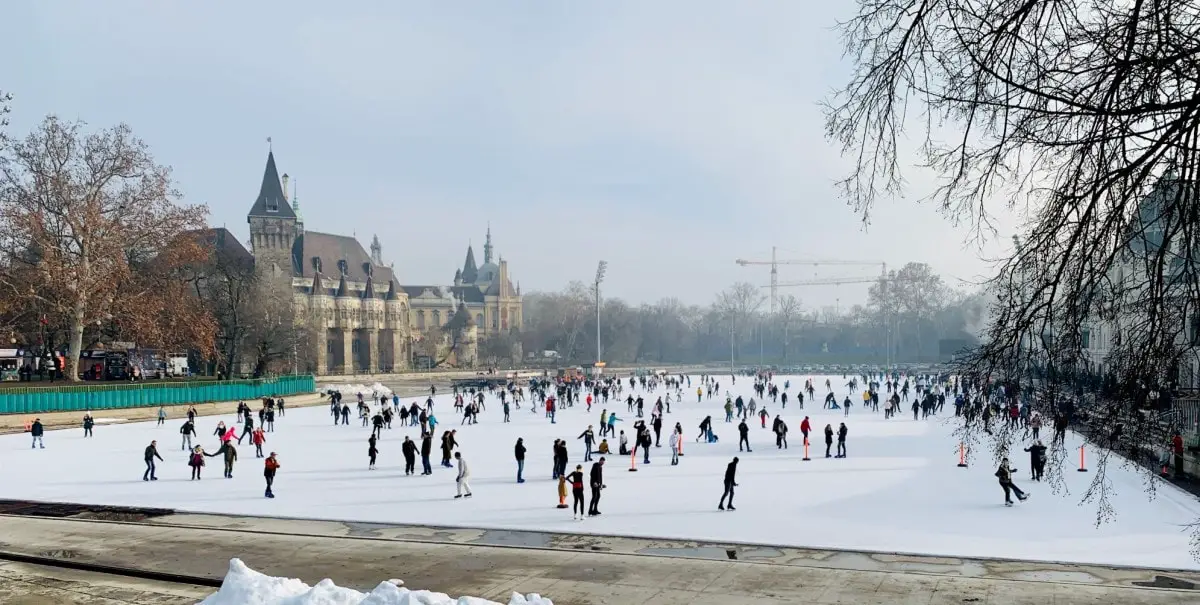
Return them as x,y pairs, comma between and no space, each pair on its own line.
75,344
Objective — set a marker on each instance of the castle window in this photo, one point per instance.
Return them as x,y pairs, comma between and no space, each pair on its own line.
272,204
479,319
495,322
316,264
437,318
420,320
343,267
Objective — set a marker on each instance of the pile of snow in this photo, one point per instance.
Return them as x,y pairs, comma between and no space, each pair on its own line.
351,390
244,586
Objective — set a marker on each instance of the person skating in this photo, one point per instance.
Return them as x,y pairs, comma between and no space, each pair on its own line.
426,448
519,454
780,428
162,416
841,449
1004,474
36,431
1037,460
828,440
372,453
247,429
230,456
589,438
270,466
805,428
187,431
258,438
596,478
656,424
196,461
730,483
409,450
576,479
743,436
673,443
88,423
464,477
150,455
705,428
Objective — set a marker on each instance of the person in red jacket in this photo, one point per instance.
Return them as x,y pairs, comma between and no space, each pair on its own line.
269,467
1177,449
258,437
805,427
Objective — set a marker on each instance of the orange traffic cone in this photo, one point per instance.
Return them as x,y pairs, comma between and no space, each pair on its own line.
633,460
562,492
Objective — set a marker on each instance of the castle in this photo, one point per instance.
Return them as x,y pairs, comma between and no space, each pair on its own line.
359,317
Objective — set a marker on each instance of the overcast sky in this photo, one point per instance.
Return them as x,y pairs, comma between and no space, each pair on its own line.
668,138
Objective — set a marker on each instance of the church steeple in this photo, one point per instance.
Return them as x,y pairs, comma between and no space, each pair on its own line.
487,247
271,201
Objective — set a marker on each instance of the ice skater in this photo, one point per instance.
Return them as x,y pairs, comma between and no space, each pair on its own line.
730,483
464,477
187,431
270,466
36,431
576,479
151,454
1004,474
88,423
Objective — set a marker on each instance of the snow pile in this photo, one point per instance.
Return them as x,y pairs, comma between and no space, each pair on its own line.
351,390
244,586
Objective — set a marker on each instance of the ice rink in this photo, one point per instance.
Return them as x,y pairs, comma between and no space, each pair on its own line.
899,490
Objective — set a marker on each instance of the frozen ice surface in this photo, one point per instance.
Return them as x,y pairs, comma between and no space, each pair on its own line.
244,586
900,489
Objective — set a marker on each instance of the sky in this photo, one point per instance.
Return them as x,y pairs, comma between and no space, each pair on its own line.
668,138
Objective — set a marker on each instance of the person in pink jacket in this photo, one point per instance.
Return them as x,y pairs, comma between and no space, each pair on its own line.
229,435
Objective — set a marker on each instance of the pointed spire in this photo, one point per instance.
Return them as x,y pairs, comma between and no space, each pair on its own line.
296,201
317,286
391,293
342,290
487,246
376,251
470,271
271,201
369,291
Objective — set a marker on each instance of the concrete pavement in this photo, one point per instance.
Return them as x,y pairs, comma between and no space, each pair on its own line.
576,570
23,584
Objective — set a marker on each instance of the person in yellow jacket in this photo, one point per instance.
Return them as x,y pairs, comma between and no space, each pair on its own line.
603,448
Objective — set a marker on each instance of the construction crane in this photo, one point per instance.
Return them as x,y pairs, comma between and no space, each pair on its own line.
775,262
884,279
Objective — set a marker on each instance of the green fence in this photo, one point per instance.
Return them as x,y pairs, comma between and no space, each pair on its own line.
33,400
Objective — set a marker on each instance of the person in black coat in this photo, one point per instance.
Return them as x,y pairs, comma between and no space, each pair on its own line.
426,448
828,440
657,424
519,453
597,480
36,430
730,483
1037,460
150,455
744,436
409,449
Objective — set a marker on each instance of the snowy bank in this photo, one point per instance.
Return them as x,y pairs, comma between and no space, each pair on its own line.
355,389
244,586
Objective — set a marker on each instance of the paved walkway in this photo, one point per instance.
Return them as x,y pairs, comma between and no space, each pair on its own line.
22,584
573,570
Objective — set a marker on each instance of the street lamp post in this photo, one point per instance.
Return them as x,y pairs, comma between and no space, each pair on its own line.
599,279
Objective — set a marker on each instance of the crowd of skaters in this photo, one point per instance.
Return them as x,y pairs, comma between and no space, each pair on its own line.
928,396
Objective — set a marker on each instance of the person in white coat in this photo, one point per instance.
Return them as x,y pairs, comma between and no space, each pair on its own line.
674,443
464,476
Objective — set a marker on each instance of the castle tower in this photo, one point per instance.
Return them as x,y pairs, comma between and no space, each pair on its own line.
487,247
376,251
273,224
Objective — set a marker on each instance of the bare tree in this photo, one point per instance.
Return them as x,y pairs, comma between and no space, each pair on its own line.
789,309
95,218
1078,114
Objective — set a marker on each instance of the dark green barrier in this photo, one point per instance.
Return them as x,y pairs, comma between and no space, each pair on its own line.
35,400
